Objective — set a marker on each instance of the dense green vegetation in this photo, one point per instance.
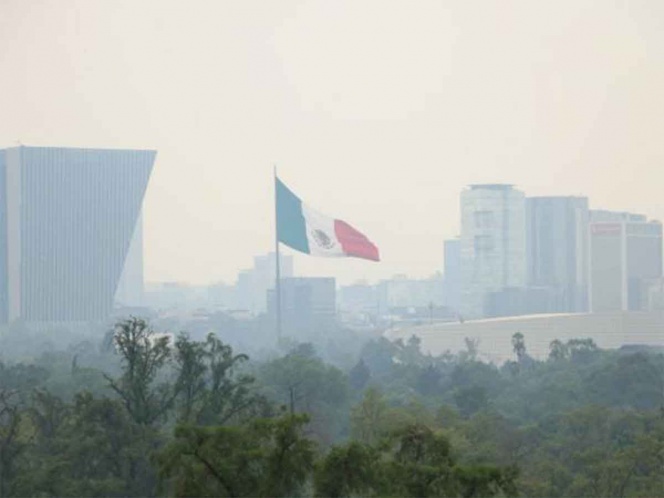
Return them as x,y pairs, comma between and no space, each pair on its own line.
147,414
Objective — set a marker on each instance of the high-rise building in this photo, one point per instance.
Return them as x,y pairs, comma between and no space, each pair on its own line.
557,251
603,215
403,292
252,284
264,276
4,288
625,254
452,274
308,305
492,243
359,297
130,289
69,218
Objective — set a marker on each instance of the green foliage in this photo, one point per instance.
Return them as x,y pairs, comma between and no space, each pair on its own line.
471,399
414,461
303,383
585,422
91,448
269,457
519,346
347,470
208,390
359,376
12,439
143,354
558,351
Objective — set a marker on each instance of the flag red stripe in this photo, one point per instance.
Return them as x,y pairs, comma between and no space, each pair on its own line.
354,243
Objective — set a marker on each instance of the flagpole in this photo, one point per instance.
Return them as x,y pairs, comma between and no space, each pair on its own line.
277,286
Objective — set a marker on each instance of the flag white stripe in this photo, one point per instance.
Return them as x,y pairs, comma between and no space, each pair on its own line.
321,234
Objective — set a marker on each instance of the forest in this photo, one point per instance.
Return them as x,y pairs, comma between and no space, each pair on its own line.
142,412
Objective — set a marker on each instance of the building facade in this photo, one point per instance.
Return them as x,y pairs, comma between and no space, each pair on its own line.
308,306
252,284
452,274
70,218
625,256
492,244
4,287
557,252
131,286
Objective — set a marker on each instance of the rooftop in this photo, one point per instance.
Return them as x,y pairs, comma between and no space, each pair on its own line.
492,186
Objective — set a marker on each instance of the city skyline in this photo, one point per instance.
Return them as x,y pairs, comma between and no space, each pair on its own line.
291,255
573,108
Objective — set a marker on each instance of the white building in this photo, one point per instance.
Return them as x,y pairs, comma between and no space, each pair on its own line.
493,243
253,284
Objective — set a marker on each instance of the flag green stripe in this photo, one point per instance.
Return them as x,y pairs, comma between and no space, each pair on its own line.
291,226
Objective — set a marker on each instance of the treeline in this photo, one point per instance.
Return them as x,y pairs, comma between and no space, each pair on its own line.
149,414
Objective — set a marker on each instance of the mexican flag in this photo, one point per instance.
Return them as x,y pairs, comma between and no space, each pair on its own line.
310,232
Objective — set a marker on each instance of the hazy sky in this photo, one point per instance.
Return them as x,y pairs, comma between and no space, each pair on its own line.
377,112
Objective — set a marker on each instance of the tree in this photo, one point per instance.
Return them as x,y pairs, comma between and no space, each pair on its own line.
209,389
428,381
303,383
189,359
581,350
11,442
471,399
90,448
143,354
268,457
348,470
229,396
413,461
519,346
368,417
472,349
558,351
359,376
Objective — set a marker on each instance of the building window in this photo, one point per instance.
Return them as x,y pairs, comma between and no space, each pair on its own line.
483,243
483,219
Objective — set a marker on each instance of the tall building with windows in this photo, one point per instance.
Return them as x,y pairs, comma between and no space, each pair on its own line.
253,284
308,306
69,218
130,289
625,256
557,251
492,244
4,288
452,274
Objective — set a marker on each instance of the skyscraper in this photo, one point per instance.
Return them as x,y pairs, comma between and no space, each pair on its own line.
452,274
4,288
492,243
308,305
557,250
625,253
130,289
70,217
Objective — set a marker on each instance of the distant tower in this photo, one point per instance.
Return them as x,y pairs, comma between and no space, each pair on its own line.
492,243
625,255
452,274
67,217
557,250
131,285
